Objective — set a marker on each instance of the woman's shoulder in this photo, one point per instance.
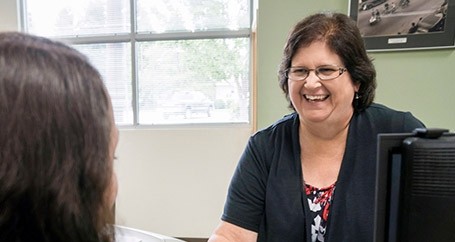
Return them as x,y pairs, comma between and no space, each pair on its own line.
382,111
377,108
284,124
382,115
283,130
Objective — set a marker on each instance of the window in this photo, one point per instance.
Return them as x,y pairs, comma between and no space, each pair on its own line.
163,61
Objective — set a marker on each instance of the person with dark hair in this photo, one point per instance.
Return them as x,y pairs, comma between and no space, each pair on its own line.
414,27
57,144
310,176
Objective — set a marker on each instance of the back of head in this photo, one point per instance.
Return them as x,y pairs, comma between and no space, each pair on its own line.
341,34
55,119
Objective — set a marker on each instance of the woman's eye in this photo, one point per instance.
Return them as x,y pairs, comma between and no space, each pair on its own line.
300,71
326,70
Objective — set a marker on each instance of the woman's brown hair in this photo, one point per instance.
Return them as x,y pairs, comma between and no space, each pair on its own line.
55,126
341,34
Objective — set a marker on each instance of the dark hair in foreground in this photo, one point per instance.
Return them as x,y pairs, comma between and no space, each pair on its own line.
55,133
341,34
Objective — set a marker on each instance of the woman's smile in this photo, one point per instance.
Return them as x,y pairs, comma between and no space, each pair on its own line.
315,98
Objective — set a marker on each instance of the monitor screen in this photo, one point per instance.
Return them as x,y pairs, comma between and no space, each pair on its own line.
415,187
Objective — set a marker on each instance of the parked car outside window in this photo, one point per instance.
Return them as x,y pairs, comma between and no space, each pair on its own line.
188,104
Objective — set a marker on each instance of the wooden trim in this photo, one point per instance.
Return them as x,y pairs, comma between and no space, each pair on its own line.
254,72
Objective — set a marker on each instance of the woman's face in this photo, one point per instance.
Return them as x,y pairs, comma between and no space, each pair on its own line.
315,100
112,192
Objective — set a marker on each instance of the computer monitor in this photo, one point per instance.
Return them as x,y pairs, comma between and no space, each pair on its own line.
415,187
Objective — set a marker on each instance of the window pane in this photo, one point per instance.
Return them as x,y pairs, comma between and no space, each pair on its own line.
150,86
193,81
81,17
114,63
161,16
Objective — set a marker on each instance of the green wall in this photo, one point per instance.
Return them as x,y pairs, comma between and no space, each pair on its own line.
416,81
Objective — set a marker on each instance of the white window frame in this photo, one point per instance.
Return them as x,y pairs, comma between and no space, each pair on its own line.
134,36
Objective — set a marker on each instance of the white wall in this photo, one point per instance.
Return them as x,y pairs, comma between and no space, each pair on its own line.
8,15
174,181
171,181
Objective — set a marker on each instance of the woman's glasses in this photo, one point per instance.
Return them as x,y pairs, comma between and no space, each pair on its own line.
326,72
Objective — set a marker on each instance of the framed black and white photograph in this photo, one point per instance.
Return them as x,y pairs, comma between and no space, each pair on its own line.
392,25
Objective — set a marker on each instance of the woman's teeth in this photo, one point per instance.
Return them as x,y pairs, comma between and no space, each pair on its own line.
314,98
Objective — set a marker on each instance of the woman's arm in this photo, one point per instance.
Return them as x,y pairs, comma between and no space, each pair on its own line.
227,232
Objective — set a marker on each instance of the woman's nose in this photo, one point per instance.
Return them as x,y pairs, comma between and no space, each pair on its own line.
312,81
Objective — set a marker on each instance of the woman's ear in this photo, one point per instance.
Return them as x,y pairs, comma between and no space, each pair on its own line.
357,87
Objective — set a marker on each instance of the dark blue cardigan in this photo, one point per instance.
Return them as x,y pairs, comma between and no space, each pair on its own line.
266,194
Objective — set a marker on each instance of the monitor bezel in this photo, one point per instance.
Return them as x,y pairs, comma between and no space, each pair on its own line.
387,145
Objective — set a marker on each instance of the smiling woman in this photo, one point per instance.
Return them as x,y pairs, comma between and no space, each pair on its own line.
320,100
302,177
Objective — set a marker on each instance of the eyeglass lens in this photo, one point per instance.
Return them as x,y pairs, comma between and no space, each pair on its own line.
323,72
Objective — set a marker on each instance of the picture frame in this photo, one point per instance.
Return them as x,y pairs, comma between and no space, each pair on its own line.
394,25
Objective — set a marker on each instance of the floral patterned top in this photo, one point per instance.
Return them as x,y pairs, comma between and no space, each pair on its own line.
319,201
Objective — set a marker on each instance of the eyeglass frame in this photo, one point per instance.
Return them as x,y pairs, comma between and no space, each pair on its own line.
341,70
